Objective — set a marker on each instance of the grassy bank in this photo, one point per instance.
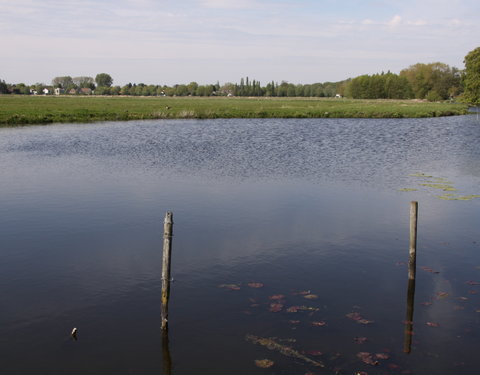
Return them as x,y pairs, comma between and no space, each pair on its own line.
20,110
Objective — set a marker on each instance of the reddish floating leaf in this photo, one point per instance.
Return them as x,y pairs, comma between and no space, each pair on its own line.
277,297
442,295
294,321
301,293
315,352
407,322
367,358
360,340
473,283
361,373
310,296
365,321
321,323
393,366
255,285
230,286
463,298
276,307
472,292
292,309
432,324
354,316
382,356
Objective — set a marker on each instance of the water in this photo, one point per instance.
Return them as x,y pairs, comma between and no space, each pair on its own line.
297,205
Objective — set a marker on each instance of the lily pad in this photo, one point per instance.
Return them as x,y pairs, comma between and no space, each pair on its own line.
276,307
230,286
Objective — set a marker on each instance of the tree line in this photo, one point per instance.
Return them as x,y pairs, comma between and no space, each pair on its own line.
434,82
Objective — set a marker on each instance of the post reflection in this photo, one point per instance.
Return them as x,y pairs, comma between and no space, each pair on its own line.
166,357
407,342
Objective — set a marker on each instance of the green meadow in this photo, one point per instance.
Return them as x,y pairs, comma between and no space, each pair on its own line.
21,110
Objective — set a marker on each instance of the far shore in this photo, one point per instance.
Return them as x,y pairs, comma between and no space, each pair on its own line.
16,110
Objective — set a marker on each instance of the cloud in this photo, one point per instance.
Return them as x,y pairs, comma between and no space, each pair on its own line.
230,4
395,21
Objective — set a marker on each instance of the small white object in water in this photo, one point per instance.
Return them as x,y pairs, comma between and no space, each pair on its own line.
74,333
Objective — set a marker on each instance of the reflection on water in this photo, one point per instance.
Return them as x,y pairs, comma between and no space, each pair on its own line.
295,205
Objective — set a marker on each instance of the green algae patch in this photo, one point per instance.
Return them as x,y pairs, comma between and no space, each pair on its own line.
420,174
453,197
443,187
407,189
440,183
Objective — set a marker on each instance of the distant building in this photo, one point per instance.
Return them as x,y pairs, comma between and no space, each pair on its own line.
46,91
72,91
338,96
86,91
59,91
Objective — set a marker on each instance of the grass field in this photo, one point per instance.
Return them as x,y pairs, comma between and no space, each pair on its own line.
20,110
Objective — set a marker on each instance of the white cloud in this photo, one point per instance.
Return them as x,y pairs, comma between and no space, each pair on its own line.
230,4
395,21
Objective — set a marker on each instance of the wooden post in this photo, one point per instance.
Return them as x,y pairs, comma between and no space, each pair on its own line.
167,250
412,268
412,260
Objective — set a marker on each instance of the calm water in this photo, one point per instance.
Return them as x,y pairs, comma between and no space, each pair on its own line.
296,205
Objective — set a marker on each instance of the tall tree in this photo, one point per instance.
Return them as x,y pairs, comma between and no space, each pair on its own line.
64,82
103,80
471,78
84,82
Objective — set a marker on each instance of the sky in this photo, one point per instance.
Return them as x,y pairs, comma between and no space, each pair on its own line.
180,41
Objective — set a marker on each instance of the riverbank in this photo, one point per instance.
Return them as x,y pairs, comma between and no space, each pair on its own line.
23,110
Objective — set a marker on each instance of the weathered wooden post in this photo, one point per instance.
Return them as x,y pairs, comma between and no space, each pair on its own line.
167,250
412,262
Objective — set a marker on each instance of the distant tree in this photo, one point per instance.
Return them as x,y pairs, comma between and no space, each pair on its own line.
84,82
192,88
64,82
103,80
438,77
3,87
471,78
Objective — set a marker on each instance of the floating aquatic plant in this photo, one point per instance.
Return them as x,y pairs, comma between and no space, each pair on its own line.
263,363
443,187
272,343
420,174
